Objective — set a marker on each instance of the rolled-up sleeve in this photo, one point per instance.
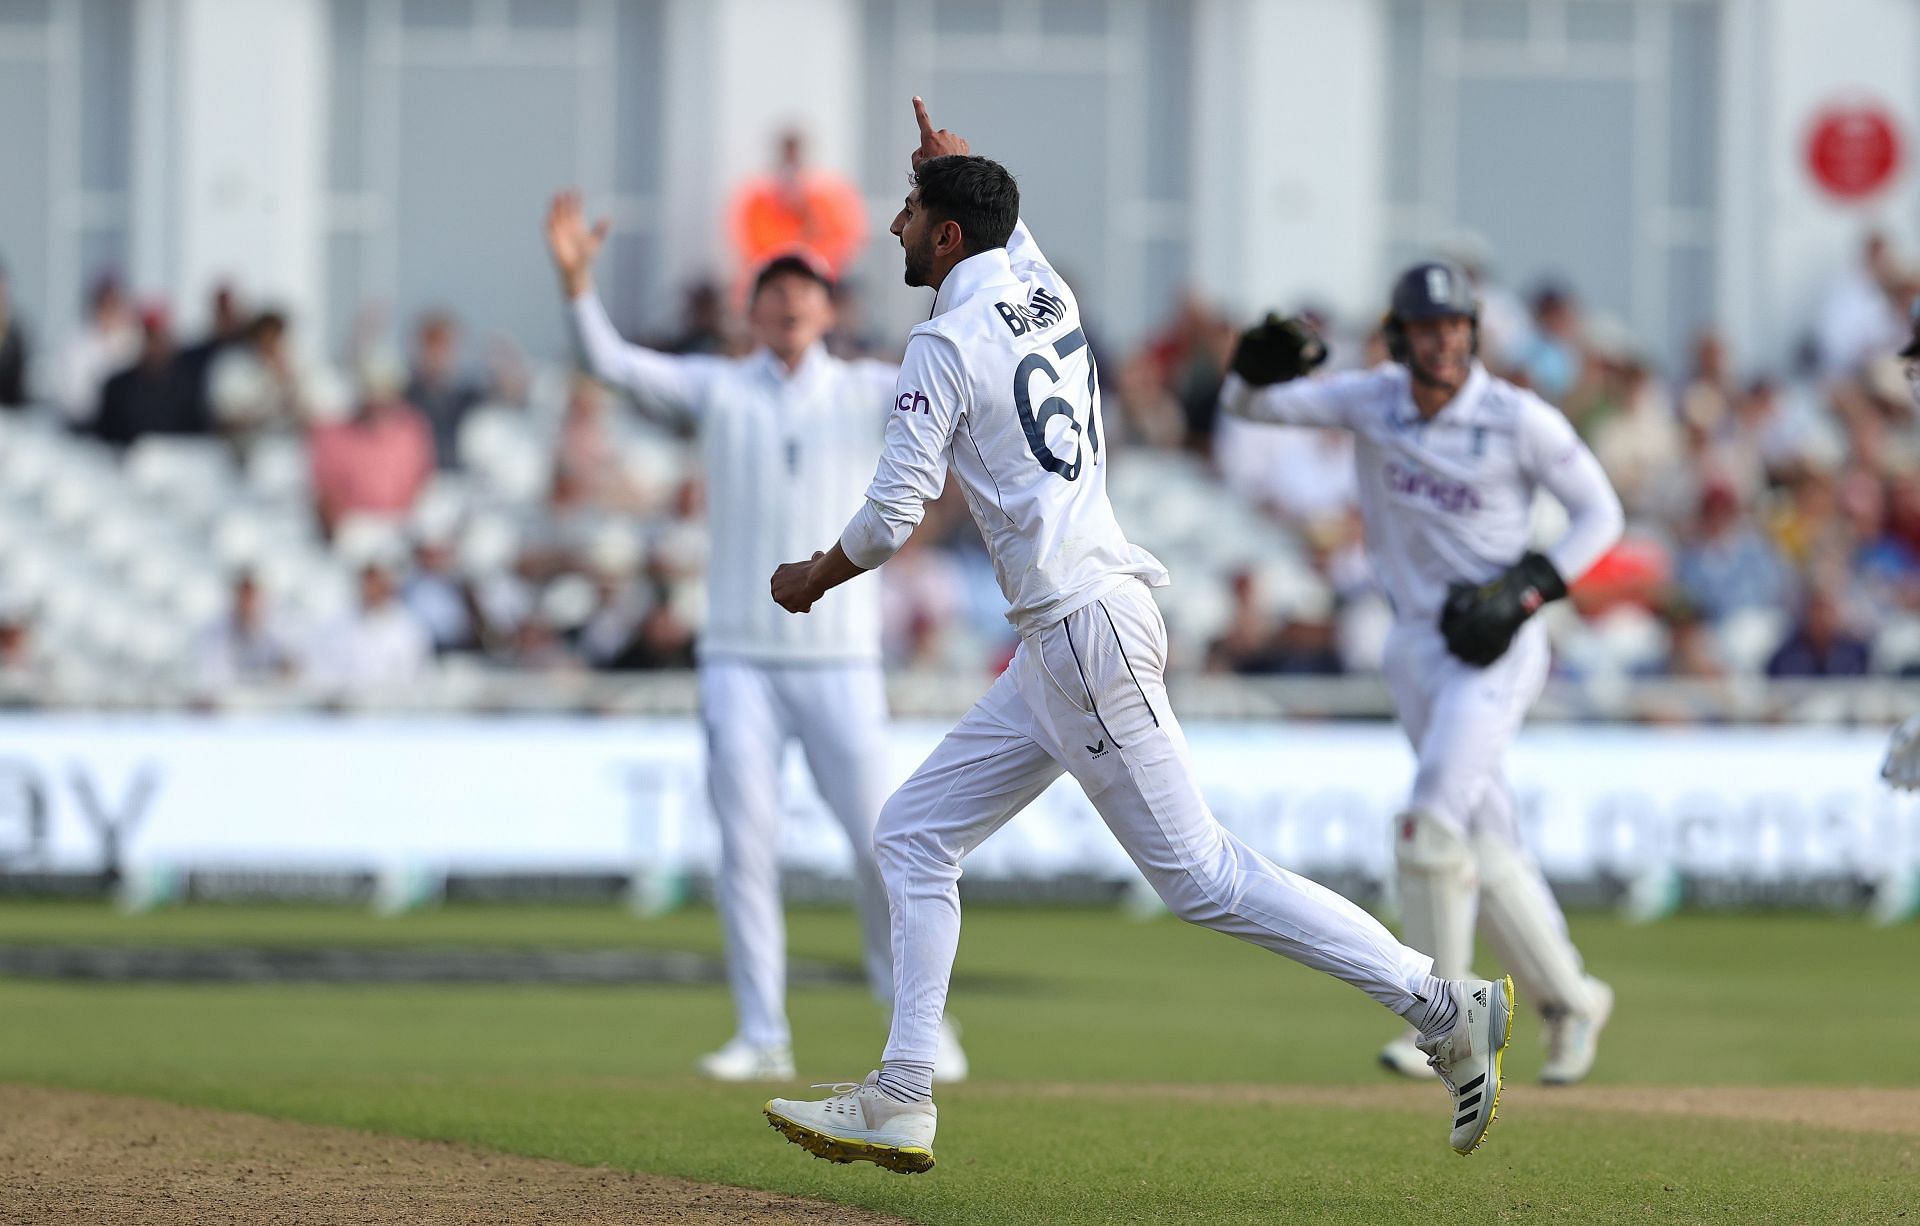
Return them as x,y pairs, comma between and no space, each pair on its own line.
929,399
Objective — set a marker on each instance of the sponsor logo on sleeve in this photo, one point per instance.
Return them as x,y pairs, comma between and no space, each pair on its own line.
913,402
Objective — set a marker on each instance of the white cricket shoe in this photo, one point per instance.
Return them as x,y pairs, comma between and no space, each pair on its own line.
1573,1037
859,1124
1403,1056
740,1060
1467,1057
949,1059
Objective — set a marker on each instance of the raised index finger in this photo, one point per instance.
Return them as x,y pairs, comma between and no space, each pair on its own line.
920,115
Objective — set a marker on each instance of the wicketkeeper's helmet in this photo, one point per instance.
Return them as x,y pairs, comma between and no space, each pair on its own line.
1433,290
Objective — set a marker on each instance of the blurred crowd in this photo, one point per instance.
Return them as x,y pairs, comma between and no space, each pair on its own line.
217,506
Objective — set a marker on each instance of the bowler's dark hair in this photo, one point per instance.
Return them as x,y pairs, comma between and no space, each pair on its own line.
976,192
790,265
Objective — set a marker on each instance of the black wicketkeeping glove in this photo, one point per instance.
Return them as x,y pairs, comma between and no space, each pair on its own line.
1479,621
1277,350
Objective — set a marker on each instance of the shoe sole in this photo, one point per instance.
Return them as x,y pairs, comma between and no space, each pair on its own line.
1499,1075
903,1159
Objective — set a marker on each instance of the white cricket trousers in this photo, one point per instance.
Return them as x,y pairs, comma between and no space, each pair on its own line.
1460,720
838,713
1086,695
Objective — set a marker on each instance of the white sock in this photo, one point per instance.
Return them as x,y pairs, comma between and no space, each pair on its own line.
906,1081
1435,1012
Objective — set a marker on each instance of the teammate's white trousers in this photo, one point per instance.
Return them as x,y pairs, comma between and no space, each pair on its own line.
1460,720
838,712
1086,695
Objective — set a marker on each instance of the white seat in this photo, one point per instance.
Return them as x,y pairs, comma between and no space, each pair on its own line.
1749,638
279,468
1896,648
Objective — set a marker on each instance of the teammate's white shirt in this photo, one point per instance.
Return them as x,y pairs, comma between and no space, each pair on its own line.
1449,499
999,385
787,461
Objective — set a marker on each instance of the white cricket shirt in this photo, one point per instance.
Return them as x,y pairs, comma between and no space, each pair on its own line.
999,385
787,459
1449,499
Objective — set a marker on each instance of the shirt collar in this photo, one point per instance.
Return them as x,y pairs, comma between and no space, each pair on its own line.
972,275
1468,394
812,363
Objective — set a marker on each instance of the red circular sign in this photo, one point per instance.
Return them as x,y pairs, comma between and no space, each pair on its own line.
1853,150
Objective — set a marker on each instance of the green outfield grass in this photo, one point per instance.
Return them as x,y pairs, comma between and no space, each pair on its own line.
1089,999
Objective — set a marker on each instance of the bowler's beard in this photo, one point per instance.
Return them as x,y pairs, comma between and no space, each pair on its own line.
919,264
1424,374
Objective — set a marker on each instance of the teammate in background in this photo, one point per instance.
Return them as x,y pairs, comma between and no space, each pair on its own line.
999,386
1448,459
788,434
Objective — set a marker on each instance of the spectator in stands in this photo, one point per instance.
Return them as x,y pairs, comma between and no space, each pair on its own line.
1709,391
155,395
24,671
588,470
1729,566
109,342
1142,410
1864,315
1692,650
439,598
796,207
254,385
1820,645
244,646
509,382
610,637
1247,643
1191,352
1503,317
539,646
377,461
227,320
665,640
16,637
15,351
923,599
703,322
379,646
435,386
1640,435
1550,358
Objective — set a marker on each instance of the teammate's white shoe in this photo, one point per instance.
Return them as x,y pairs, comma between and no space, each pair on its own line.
949,1059
1403,1056
740,1060
1573,1037
1467,1057
859,1124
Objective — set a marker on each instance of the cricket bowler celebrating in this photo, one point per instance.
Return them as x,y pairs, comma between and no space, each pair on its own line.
999,387
788,433
1448,458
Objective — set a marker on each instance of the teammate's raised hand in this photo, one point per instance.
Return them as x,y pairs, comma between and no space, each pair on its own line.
573,242
934,144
